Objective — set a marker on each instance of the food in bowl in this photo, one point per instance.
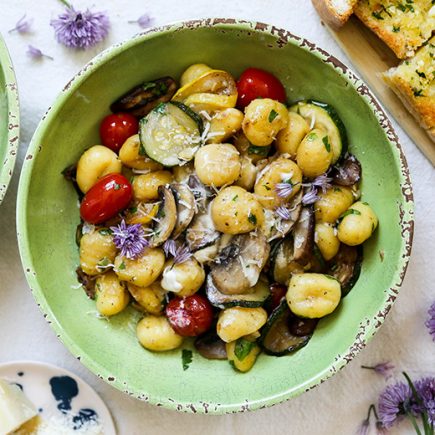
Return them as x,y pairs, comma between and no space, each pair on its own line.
221,214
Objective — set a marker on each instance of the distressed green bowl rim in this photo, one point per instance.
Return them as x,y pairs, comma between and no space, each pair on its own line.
283,37
13,121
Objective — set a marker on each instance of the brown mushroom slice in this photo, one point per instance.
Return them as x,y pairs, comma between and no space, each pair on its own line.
346,267
166,217
303,236
140,100
238,266
201,193
87,282
201,232
283,263
185,203
275,227
210,346
348,172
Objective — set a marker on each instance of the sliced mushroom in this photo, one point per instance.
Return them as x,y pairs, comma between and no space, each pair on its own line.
283,263
185,202
87,282
346,267
304,236
208,254
238,266
201,193
166,217
275,227
201,232
210,346
348,172
140,100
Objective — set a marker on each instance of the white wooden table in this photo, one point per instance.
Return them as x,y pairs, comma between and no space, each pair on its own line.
335,407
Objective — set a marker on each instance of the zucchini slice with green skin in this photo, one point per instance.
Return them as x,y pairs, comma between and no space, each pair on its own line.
323,116
170,134
255,299
278,335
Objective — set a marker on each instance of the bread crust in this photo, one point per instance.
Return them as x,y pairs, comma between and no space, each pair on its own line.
329,15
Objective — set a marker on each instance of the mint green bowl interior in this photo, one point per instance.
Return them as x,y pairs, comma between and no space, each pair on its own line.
9,119
48,215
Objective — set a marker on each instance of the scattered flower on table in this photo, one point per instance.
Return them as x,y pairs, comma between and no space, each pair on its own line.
36,53
383,368
144,21
394,403
80,29
23,25
425,388
130,239
430,323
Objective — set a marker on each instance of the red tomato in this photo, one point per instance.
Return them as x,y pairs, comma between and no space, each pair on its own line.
277,292
190,316
254,83
116,129
107,197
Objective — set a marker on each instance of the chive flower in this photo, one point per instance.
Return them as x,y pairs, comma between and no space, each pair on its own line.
430,323
36,53
284,189
310,197
22,25
180,253
129,239
383,368
283,212
323,182
394,403
143,21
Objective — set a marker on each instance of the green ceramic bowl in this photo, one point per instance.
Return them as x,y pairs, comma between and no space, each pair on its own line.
9,119
48,216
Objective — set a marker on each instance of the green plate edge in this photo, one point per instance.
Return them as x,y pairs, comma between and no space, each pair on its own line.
406,211
9,139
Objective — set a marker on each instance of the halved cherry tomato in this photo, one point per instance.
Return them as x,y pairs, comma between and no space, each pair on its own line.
107,197
116,129
277,292
254,83
190,316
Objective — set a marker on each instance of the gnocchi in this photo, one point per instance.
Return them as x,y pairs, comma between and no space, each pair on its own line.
111,294
155,333
145,187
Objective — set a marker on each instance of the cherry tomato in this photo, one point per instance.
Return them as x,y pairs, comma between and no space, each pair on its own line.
107,197
190,316
254,83
115,129
277,292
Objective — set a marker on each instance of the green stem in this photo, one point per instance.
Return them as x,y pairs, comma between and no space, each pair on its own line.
414,422
66,3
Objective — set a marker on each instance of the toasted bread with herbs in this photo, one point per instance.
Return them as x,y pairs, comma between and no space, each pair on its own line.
335,12
404,25
414,83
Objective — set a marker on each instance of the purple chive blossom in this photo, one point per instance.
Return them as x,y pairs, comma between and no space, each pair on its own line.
22,25
394,403
79,29
310,197
283,212
430,323
384,368
130,239
170,247
144,21
323,182
182,254
363,429
425,388
284,189
36,53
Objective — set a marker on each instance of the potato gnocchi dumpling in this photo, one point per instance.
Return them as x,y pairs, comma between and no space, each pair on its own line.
264,118
235,219
236,211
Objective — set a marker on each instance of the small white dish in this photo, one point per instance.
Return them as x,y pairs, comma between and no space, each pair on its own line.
56,392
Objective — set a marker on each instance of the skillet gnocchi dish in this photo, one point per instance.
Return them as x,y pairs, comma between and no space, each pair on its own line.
222,213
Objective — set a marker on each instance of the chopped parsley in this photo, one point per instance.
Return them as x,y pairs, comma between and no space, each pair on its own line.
417,92
117,186
160,108
326,143
420,74
401,7
242,348
252,218
312,136
105,231
272,115
142,151
259,151
103,262
132,209
350,211
396,29
235,198
121,266
377,15
186,358
266,187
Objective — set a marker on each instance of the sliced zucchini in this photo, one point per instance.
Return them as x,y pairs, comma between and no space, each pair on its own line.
170,134
256,298
283,263
323,116
277,337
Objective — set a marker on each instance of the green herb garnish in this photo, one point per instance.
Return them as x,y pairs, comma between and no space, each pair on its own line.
420,74
259,151
242,348
272,115
377,15
121,266
326,143
350,211
396,29
186,358
160,108
417,92
252,218
235,198
105,232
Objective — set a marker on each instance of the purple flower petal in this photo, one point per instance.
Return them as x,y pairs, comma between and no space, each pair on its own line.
430,323
22,25
363,429
383,368
284,189
182,255
36,53
144,21
425,388
394,403
78,29
323,182
310,197
130,239
170,247
283,212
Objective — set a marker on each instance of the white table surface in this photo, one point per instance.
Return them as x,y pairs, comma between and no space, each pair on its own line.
335,407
